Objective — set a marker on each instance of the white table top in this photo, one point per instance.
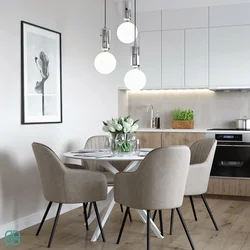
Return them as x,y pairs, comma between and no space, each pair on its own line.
102,156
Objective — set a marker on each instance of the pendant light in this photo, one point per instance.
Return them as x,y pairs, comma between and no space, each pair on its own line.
105,62
125,31
135,79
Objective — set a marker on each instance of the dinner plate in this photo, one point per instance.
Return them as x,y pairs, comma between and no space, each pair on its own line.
87,151
97,155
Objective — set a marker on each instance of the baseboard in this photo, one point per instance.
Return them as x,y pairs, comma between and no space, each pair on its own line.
34,219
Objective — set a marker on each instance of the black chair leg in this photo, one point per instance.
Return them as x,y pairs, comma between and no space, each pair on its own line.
185,228
209,211
154,215
129,215
99,221
44,217
121,208
171,222
148,229
55,224
90,208
161,224
193,208
123,224
85,215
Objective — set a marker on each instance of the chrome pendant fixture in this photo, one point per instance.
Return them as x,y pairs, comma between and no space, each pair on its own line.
125,31
105,62
135,79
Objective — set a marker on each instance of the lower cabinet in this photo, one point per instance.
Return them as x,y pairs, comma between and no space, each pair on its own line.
164,139
149,139
229,186
182,138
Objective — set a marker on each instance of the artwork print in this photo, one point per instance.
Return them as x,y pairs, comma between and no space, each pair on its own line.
41,75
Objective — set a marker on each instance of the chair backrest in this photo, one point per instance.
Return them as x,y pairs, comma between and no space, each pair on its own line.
203,150
162,178
96,142
51,172
202,156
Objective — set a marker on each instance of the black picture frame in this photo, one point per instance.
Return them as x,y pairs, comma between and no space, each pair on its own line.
41,75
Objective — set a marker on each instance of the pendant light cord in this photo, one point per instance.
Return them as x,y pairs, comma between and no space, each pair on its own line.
135,21
105,14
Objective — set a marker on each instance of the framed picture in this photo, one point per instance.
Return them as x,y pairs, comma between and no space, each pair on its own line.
41,75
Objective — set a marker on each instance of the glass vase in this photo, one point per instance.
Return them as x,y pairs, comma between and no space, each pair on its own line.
123,143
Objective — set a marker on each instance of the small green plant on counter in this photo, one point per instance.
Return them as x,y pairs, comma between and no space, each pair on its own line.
179,114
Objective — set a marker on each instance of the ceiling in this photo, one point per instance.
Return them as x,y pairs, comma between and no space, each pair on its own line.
150,5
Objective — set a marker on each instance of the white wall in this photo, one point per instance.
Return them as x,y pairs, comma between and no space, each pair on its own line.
88,97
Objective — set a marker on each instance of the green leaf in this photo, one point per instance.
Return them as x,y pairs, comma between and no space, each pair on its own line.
135,122
104,123
179,114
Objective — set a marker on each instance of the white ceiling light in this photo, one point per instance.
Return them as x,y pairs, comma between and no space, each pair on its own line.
125,31
135,79
105,62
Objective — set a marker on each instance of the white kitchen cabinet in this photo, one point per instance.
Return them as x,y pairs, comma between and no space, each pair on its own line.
149,21
173,59
185,18
230,57
196,58
150,58
230,15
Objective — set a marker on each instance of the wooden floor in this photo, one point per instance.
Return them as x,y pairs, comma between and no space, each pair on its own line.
233,219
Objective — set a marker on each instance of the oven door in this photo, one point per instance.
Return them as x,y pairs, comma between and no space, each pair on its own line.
232,159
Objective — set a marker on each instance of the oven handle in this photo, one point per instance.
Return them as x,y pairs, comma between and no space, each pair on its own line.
230,145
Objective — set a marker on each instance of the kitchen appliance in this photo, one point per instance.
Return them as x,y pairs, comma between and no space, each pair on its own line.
243,123
232,155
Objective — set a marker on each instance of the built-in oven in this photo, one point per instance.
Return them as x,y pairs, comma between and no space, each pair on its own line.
232,156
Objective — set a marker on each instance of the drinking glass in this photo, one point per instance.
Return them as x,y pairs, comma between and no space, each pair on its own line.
138,147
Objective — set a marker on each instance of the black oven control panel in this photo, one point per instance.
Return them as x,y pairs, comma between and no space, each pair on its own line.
228,137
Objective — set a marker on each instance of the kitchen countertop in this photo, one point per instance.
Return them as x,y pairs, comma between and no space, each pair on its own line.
195,130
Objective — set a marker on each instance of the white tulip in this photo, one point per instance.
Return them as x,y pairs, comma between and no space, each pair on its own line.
118,127
134,128
105,129
130,121
109,122
111,128
126,130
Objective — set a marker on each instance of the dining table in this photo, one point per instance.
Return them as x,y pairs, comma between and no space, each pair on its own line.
105,159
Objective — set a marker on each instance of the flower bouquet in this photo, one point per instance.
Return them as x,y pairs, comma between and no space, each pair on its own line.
122,137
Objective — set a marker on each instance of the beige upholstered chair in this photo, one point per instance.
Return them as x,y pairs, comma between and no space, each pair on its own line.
65,185
202,156
159,183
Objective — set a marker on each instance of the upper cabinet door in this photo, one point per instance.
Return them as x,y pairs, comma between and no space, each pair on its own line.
173,59
185,18
150,58
149,21
196,58
230,56
229,15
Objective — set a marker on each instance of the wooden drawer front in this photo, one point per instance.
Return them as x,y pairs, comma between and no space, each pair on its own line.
182,138
149,139
226,186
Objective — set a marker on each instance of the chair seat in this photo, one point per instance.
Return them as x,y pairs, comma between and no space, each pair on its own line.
109,176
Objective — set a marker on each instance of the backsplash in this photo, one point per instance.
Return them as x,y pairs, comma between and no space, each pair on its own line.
211,109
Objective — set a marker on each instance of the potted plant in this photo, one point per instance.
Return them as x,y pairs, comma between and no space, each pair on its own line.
183,119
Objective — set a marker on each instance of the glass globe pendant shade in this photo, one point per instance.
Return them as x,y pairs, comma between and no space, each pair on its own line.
126,32
135,79
105,62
